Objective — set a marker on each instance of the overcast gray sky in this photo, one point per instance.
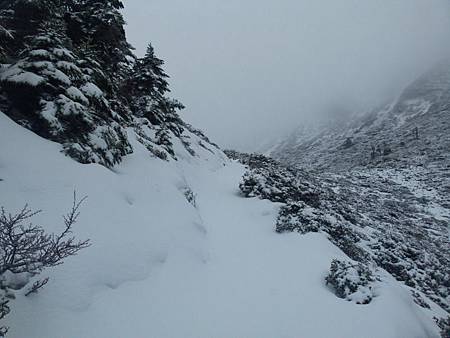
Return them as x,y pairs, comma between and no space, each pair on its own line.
250,70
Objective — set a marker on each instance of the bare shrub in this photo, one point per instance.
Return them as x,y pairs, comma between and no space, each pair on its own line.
26,250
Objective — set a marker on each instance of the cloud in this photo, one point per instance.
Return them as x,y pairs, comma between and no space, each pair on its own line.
250,70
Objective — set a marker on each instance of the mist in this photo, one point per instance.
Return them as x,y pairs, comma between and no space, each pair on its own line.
250,71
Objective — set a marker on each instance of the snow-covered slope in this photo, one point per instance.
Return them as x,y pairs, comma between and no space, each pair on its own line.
161,266
404,143
412,130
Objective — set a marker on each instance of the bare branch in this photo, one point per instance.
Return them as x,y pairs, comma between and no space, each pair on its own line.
36,286
27,248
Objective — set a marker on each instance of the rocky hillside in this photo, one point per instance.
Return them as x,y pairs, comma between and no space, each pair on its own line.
381,220
413,130
406,142
380,183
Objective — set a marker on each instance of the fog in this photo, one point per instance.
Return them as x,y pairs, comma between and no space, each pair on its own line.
251,70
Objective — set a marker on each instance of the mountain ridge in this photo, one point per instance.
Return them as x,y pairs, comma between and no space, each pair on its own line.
382,135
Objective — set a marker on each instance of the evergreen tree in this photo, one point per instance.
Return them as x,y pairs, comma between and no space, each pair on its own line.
83,86
6,35
147,86
147,89
150,76
99,26
41,74
162,138
168,110
61,102
26,17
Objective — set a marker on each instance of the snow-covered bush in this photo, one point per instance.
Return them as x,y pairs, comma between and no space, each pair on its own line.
444,324
347,239
4,311
26,250
301,218
270,180
254,184
411,258
190,196
202,136
351,281
298,217
373,220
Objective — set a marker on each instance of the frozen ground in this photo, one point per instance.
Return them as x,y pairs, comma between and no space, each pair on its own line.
160,267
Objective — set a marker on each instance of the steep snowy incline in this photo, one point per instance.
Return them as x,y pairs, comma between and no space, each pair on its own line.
161,267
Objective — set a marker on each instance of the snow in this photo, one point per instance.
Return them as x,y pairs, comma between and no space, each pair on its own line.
418,106
48,112
15,281
42,65
59,75
27,77
76,94
70,107
420,190
40,52
160,267
90,89
68,66
63,52
15,73
96,138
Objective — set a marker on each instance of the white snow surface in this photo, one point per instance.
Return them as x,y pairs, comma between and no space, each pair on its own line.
90,89
160,267
16,74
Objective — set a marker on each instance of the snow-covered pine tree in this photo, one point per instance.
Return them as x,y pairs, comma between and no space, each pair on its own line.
59,97
99,25
168,108
40,74
83,84
163,139
6,35
146,90
23,18
146,87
